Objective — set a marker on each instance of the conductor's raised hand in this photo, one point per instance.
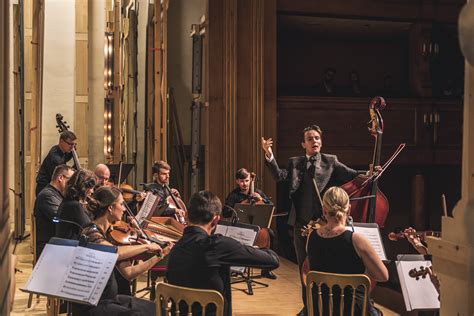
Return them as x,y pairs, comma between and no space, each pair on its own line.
267,146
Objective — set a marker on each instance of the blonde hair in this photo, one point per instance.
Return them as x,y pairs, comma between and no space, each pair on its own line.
336,202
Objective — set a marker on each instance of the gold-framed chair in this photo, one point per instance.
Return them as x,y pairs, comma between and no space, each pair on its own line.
342,281
166,292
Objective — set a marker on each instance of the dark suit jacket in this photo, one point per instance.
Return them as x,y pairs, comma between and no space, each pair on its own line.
202,261
332,173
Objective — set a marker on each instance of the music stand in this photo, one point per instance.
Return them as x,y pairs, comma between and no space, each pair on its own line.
115,170
246,234
258,214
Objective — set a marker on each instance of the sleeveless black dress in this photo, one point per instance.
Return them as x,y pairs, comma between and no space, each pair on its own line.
336,255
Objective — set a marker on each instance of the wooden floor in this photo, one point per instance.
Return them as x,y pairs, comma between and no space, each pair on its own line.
281,297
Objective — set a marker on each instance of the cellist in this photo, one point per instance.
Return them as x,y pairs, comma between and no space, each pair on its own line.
325,169
161,177
242,193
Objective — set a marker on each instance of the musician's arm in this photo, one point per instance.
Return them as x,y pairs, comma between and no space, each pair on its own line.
372,262
131,271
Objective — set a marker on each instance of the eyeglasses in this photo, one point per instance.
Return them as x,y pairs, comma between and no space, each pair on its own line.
73,144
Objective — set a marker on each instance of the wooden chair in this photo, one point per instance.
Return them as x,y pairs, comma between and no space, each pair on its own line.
342,281
167,292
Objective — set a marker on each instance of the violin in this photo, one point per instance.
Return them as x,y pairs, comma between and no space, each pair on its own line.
122,233
421,235
417,274
63,127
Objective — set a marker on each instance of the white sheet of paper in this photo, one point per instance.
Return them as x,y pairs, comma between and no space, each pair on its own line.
245,236
373,235
418,294
146,207
74,273
53,258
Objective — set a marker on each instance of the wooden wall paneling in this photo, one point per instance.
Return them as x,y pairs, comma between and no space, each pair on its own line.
36,105
250,81
230,17
443,11
269,89
150,75
81,82
215,135
164,81
159,128
4,194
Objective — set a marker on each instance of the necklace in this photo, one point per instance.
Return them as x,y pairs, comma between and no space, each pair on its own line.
331,231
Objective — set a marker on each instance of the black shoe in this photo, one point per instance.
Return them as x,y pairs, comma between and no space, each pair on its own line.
302,312
269,274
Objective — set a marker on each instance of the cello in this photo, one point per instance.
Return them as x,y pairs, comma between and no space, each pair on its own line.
262,240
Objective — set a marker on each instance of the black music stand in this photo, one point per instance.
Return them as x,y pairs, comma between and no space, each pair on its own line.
115,170
258,214
246,234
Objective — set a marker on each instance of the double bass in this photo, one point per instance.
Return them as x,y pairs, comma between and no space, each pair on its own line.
368,203
62,126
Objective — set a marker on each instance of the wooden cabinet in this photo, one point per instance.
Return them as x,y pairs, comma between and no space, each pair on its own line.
431,129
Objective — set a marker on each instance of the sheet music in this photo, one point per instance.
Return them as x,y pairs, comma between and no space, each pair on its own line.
72,273
147,207
373,235
244,235
417,294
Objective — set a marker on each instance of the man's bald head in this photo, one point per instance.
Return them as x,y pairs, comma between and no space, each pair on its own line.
102,173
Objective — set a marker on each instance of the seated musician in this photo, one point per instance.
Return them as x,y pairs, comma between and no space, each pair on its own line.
106,206
203,260
46,206
73,207
161,177
102,172
242,193
332,248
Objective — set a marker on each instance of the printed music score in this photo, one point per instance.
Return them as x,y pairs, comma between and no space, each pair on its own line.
148,207
372,233
75,274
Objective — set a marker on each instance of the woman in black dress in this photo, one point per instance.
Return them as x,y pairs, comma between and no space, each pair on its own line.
106,207
333,249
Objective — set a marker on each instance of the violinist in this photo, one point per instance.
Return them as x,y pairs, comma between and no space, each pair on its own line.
161,177
106,206
58,155
300,171
242,193
102,172
333,249
73,207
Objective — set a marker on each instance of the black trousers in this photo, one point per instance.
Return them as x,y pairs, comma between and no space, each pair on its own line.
300,249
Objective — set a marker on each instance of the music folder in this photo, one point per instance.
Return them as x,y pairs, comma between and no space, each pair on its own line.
72,272
372,233
417,294
258,214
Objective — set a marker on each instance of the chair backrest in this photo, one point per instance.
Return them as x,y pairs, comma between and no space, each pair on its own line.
166,292
342,281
